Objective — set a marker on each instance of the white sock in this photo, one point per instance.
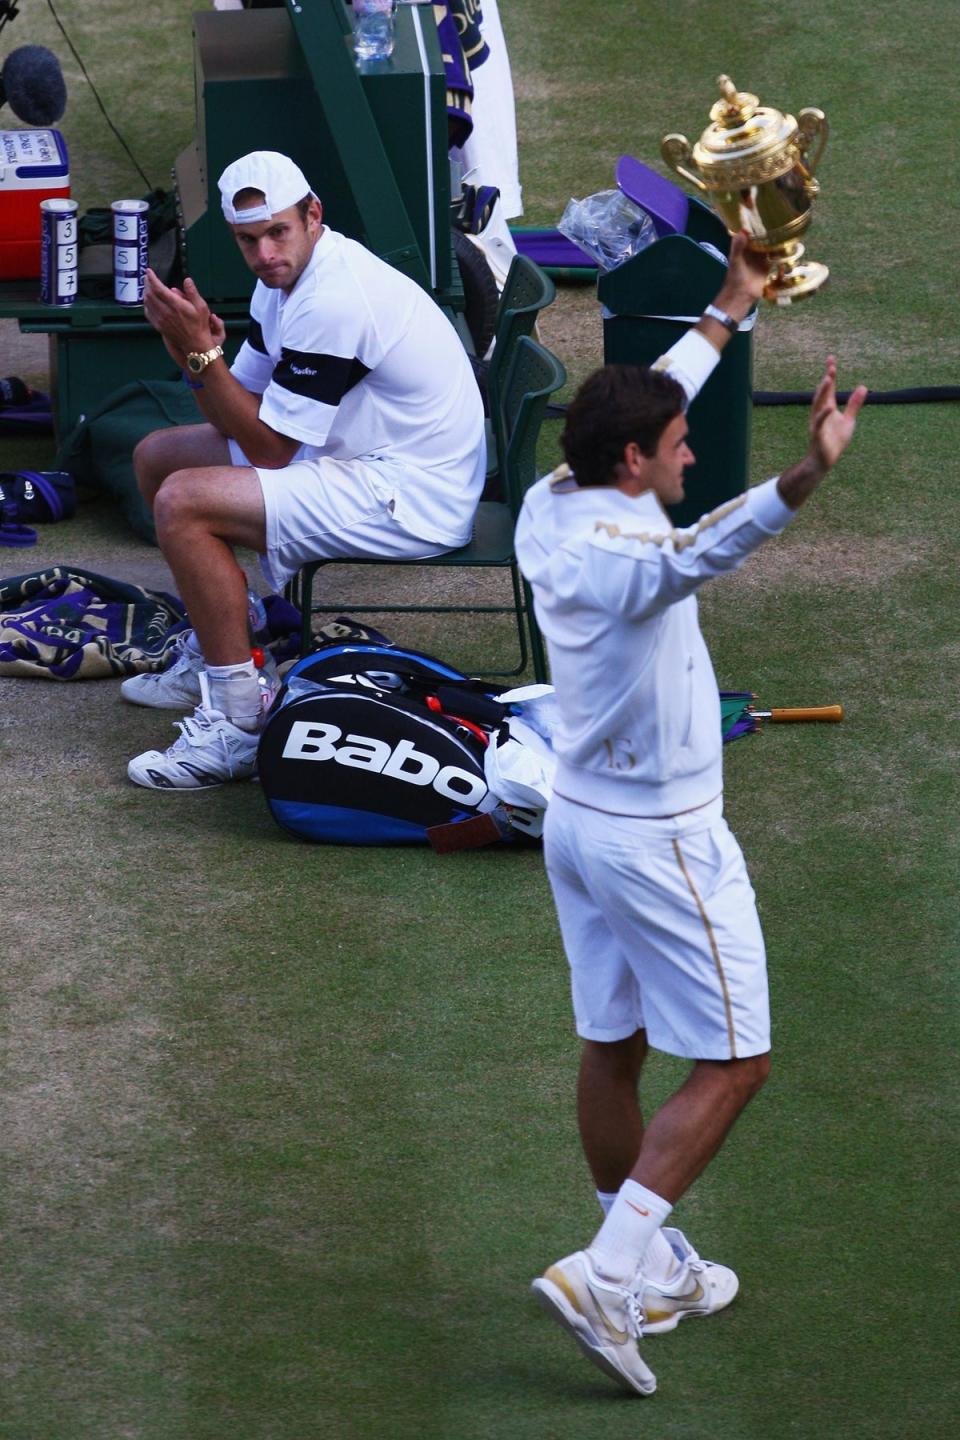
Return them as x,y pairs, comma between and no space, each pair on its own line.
660,1264
235,692
620,1244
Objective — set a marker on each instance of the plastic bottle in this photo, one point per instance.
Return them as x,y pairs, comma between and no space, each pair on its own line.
257,620
373,29
268,677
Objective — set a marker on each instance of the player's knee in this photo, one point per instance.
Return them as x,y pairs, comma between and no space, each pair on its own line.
174,505
149,464
619,1061
754,1074
741,1079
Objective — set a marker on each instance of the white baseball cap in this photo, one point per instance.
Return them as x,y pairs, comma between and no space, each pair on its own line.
276,177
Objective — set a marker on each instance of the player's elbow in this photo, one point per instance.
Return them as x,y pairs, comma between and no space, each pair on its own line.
272,451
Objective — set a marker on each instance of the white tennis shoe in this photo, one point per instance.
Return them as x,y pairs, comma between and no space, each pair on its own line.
604,1318
209,751
176,688
700,1287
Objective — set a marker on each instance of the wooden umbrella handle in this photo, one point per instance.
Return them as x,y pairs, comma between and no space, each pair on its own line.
805,712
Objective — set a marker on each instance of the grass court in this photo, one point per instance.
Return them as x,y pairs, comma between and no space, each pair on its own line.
288,1130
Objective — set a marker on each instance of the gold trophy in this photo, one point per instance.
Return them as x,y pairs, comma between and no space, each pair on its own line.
756,167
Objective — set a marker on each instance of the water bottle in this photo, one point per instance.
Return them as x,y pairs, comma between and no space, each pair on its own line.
373,29
268,676
257,620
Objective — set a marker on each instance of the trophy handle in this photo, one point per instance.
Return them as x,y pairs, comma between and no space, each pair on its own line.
675,149
812,131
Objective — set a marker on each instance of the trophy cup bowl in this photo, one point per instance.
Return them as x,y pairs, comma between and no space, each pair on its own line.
756,167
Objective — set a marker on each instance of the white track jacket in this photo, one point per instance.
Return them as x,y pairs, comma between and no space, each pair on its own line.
613,585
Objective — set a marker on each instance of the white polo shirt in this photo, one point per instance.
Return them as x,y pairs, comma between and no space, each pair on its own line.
358,362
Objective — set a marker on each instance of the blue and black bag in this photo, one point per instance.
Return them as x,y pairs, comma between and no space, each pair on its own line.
39,496
31,497
372,744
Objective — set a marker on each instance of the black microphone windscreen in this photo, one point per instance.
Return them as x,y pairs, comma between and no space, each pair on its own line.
32,83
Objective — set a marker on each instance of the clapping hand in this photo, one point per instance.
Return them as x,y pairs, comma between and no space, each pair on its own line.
182,317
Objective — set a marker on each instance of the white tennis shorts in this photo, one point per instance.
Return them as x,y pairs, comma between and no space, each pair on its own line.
324,509
659,922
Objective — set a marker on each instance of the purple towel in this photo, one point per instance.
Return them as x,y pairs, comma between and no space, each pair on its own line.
550,248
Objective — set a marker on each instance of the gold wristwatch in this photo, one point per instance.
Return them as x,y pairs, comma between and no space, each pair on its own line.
198,360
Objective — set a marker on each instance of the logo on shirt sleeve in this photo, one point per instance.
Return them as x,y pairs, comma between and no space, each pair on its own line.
325,378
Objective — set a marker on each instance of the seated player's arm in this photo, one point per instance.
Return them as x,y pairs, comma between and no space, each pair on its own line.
235,411
187,325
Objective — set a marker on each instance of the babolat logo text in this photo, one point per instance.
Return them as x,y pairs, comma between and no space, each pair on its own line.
308,740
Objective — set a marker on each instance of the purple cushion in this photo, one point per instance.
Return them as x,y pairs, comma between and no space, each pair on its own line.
664,202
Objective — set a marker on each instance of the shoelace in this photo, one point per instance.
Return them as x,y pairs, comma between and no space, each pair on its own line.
193,727
635,1315
694,1264
184,656
193,730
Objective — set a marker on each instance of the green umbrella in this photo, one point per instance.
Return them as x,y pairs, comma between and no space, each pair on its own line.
739,714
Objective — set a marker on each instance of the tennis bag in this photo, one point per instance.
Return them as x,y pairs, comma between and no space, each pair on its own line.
38,496
365,745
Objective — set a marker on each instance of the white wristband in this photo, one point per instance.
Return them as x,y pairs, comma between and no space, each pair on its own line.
713,312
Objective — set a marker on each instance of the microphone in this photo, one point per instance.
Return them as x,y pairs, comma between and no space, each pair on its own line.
32,84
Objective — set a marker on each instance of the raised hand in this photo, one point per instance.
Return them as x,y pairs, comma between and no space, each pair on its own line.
831,429
745,279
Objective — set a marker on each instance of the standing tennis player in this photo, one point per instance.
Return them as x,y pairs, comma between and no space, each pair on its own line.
656,910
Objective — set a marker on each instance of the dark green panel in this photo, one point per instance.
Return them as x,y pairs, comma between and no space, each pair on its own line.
676,277
373,146
255,93
416,140
386,228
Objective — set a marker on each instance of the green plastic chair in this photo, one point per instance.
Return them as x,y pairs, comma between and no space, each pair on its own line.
534,375
526,292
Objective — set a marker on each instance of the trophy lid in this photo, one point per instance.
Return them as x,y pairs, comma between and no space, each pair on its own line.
744,132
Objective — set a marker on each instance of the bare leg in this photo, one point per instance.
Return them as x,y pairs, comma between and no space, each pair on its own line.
689,1128
185,447
608,1110
201,515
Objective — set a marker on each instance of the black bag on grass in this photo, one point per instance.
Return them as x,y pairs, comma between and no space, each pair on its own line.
365,745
